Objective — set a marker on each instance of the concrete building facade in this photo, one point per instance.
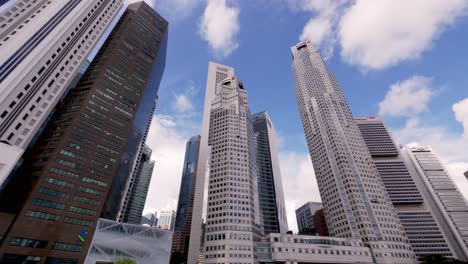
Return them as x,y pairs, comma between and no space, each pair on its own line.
233,217
43,43
305,217
356,204
166,220
78,168
425,232
448,205
270,186
216,73
294,249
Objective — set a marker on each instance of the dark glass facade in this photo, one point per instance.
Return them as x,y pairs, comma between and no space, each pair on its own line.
136,195
270,191
183,222
76,170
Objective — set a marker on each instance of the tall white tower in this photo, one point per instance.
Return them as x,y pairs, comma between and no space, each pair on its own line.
443,195
355,202
233,219
216,73
43,45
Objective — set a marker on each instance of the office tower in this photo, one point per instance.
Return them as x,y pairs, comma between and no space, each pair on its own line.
233,217
320,223
216,73
428,235
78,168
447,203
355,201
166,219
270,187
135,198
305,217
44,44
149,219
184,216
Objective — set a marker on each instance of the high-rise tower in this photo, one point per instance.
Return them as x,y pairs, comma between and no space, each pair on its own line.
442,194
78,169
233,219
184,216
135,197
270,186
216,73
356,204
43,45
427,231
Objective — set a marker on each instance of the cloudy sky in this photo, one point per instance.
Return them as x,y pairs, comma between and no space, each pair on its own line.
405,61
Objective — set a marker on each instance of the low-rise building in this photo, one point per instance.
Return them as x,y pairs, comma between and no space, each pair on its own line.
293,249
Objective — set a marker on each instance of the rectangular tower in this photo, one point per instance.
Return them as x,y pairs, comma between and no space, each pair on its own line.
355,201
216,73
135,198
270,186
166,219
233,219
43,44
78,168
449,205
305,217
425,232
184,216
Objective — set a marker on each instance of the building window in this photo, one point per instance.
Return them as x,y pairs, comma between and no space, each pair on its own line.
24,242
42,215
67,247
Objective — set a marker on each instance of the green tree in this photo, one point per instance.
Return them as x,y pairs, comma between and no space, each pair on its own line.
125,261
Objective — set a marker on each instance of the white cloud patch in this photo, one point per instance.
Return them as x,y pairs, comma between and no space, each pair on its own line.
299,183
183,103
407,98
377,34
219,27
167,138
461,114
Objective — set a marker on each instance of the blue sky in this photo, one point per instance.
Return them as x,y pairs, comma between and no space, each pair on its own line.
406,63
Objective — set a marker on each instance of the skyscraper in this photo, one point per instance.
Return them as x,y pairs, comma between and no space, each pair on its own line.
184,216
427,234
305,217
44,44
216,73
135,198
355,201
78,168
449,205
270,186
233,218
166,219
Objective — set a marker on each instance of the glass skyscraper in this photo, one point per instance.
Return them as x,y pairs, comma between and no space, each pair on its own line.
79,167
184,215
356,204
270,186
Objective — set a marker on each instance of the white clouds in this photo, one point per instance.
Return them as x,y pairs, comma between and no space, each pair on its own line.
219,27
407,98
299,183
461,114
378,34
183,103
